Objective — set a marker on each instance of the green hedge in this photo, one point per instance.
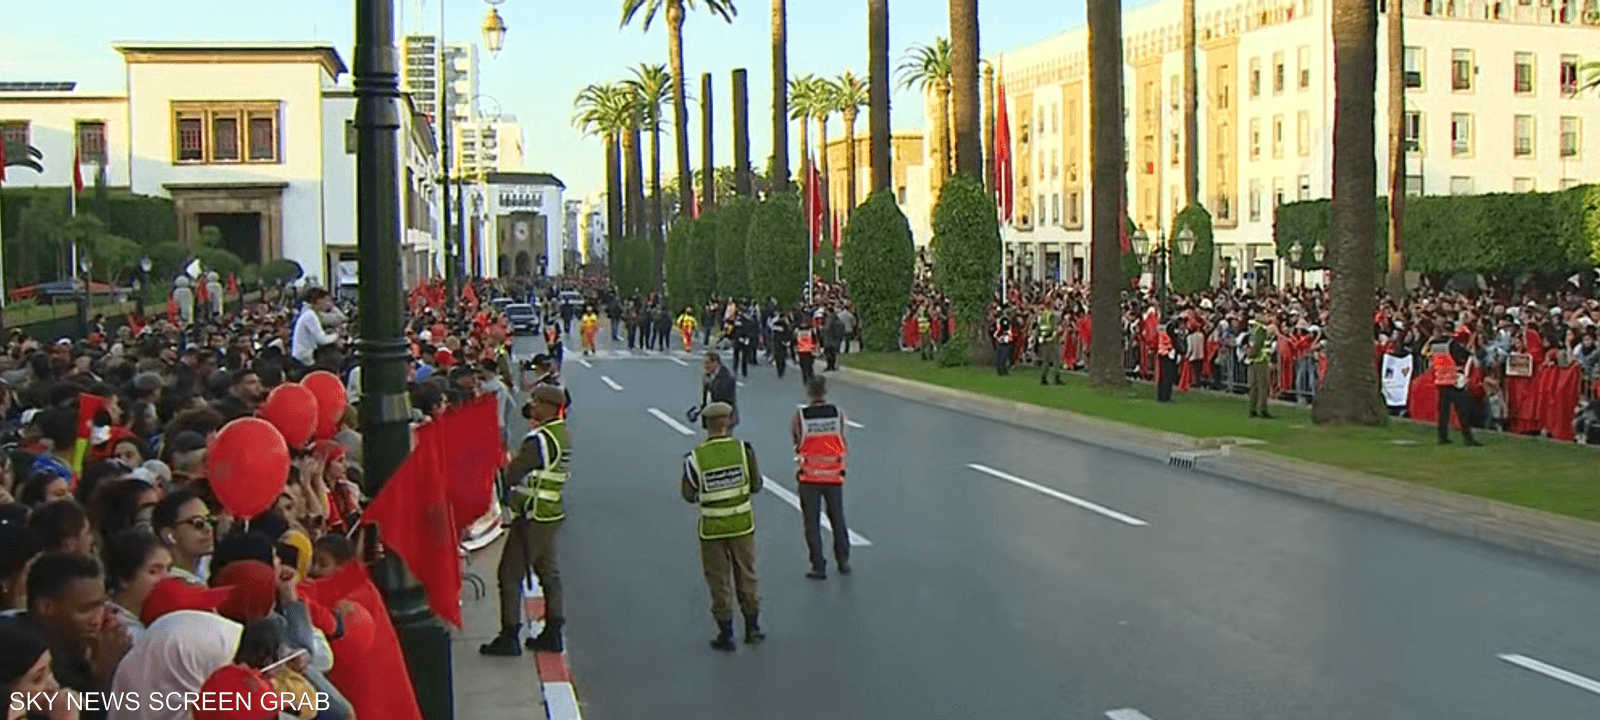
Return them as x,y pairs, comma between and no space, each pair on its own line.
776,250
732,232
1192,273
880,265
966,254
702,273
680,241
1508,233
633,266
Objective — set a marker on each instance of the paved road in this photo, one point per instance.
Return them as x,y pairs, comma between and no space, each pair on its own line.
1055,580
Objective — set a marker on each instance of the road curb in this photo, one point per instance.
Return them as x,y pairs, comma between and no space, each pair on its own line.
555,676
1567,540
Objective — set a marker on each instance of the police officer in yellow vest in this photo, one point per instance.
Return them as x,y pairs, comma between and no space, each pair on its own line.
1047,333
721,476
539,475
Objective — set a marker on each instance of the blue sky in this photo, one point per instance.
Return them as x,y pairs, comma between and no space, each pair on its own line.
553,48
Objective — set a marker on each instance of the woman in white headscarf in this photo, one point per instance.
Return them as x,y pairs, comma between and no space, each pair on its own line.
176,655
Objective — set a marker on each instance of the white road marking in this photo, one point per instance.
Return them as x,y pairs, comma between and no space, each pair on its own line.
610,383
674,424
1552,672
677,360
1057,494
783,493
1127,714
584,363
740,383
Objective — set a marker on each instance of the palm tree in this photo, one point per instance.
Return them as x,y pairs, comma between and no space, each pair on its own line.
1106,145
1396,41
1350,395
708,162
779,176
927,68
964,87
825,108
633,169
806,94
652,85
604,110
850,95
1191,112
675,11
878,114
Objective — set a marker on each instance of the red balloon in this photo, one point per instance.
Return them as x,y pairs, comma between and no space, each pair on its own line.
248,465
292,409
331,401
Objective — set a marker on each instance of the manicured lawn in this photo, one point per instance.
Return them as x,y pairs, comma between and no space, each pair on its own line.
1558,478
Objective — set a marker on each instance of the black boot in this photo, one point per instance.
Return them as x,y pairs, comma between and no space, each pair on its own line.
548,639
752,630
724,639
503,645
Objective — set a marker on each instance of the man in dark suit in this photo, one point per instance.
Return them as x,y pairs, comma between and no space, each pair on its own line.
719,386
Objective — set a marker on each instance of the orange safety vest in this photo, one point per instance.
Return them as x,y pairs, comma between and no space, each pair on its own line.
804,343
1444,365
822,445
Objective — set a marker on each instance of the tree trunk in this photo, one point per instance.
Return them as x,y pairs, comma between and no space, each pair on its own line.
988,127
708,165
1350,394
849,161
780,98
1191,111
805,152
657,232
633,179
1106,180
680,109
878,95
1395,36
938,110
964,84
741,134
822,167
950,129
614,218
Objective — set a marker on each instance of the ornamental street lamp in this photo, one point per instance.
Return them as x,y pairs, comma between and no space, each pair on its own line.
1186,240
85,264
494,29
144,281
384,406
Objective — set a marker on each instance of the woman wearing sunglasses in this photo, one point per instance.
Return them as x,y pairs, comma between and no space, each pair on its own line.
186,526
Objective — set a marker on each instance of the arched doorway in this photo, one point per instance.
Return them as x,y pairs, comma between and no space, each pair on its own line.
524,264
503,266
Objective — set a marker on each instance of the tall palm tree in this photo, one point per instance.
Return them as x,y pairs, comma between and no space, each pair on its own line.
1396,50
805,94
675,11
849,96
1350,395
603,110
652,84
780,97
964,87
878,114
927,68
708,162
1106,145
633,169
1191,111
826,105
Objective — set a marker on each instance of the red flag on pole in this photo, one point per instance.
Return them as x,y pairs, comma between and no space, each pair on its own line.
379,684
813,205
88,407
836,232
1002,155
233,284
1122,226
77,182
2,161
477,452
413,511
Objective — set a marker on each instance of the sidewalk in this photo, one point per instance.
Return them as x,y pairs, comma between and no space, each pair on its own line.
490,688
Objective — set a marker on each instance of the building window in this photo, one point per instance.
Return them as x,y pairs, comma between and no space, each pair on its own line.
1461,70
1041,209
1460,135
1460,185
1571,136
1277,73
1413,131
1305,67
1255,78
1255,138
1055,119
351,137
1072,117
1522,80
1303,133
1569,75
1277,192
1225,206
91,141
1277,136
1176,148
1224,85
1055,209
1255,201
1174,95
1305,188
14,132
1522,185
229,132
1055,164
1072,210
1413,67
1414,185
1522,143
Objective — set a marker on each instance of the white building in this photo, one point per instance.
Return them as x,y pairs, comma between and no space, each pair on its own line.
251,138
1490,106
523,233
488,145
592,228
421,67
570,211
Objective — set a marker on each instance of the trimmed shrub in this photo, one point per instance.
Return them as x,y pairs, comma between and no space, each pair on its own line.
1192,273
880,266
633,266
679,241
966,249
776,250
732,231
702,261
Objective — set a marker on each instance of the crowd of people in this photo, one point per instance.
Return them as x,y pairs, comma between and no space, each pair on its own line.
1535,354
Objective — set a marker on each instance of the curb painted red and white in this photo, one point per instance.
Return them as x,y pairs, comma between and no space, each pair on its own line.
560,697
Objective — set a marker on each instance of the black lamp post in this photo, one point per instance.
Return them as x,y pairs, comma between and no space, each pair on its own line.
384,406
85,300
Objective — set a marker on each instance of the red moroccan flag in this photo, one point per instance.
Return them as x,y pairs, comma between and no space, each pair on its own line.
172,310
413,511
476,452
378,684
813,205
1122,227
233,284
2,161
1002,155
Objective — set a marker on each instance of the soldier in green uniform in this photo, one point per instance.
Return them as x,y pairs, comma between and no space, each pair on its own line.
1047,333
538,474
924,334
720,475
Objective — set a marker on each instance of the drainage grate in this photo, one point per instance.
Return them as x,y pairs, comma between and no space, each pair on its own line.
1185,459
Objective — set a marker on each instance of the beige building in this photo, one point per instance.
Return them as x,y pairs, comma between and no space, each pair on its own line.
909,169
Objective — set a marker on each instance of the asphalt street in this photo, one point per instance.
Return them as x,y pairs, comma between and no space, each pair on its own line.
1002,573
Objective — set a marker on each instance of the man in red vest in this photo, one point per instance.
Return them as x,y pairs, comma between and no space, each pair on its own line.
1451,364
818,432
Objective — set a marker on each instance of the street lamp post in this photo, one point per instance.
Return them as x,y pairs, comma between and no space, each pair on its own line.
144,279
85,300
384,406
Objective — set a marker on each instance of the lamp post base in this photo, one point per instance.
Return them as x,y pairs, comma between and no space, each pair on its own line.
423,639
